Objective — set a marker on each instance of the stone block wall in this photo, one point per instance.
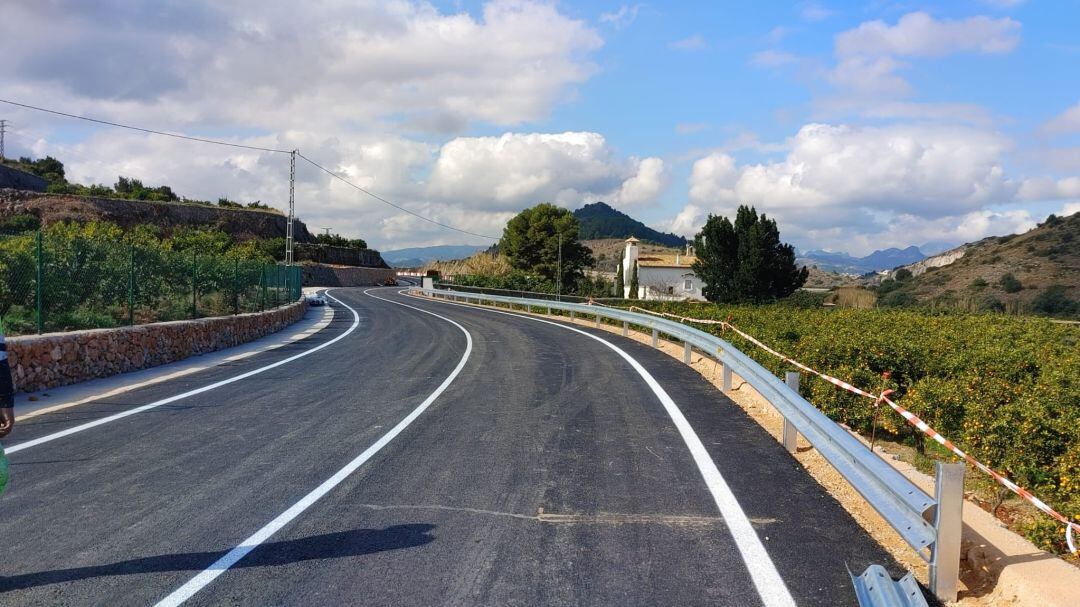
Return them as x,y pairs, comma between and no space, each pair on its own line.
39,362
321,275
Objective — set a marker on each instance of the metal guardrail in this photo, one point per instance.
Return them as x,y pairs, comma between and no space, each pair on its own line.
898,500
875,588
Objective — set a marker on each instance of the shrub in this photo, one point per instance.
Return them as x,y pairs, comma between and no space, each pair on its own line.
1053,301
1009,283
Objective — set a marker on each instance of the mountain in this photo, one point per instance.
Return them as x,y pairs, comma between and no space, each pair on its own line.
1037,272
598,220
418,256
844,263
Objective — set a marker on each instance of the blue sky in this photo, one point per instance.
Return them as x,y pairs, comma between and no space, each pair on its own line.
859,125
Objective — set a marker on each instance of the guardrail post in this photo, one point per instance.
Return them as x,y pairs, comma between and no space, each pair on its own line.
625,328
948,523
597,321
655,338
571,316
686,352
725,373
791,435
549,310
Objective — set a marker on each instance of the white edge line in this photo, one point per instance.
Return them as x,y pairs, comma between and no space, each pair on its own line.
98,422
770,586
197,583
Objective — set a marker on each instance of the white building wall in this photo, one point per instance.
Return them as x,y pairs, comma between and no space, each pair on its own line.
668,283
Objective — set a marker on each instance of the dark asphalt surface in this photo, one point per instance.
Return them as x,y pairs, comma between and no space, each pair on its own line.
547,473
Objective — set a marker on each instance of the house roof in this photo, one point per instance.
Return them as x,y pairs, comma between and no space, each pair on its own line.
662,260
632,239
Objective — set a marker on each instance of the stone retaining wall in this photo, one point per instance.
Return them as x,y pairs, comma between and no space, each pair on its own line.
321,275
46,361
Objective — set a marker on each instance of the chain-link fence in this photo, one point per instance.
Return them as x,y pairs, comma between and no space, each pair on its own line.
63,282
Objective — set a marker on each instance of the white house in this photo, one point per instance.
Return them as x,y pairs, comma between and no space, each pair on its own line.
661,276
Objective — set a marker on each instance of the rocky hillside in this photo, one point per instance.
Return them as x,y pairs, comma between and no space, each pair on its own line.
241,224
1035,272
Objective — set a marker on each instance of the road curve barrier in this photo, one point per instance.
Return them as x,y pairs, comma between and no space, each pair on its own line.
930,525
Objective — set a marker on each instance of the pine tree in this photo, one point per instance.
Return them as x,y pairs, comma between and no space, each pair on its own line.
745,262
619,284
634,282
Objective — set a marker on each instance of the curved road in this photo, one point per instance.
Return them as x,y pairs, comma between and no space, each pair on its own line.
433,455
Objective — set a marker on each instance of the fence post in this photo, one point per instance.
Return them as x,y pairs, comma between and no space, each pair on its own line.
236,286
791,435
948,523
38,287
262,286
131,286
194,283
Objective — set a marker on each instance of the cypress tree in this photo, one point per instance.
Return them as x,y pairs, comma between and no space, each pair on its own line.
634,282
619,284
745,262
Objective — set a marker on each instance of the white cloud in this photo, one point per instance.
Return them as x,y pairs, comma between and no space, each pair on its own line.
1046,188
269,66
932,171
1070,208
692,43
518,169
623,17
920,35
1066,122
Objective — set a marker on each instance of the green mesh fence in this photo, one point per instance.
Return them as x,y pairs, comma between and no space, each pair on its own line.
63,282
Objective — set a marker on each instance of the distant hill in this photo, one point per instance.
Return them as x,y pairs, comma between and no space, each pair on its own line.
1034,272
418,256
598,221
844,263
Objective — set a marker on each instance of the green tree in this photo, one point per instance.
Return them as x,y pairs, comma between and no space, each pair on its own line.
1010,283
619,282
337,240
530,242
745,261
634,282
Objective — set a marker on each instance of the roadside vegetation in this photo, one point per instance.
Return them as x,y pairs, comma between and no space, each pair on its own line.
1003,388
97,275
125,188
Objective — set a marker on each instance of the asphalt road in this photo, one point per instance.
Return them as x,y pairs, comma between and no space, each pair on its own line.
545,471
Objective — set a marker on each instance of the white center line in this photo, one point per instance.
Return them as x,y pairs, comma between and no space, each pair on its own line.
223,564
172,399
770,586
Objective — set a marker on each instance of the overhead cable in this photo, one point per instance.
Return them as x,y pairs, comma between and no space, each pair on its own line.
385,201
151,131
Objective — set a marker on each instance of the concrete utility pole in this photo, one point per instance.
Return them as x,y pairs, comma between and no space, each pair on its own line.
3,129
292,211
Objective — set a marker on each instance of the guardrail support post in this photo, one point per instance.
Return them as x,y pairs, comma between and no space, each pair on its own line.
655,338
625,328
571,316
791,435
948,523
549,310
597,321
725,373
686,352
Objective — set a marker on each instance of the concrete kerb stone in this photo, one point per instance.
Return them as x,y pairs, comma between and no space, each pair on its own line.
40,362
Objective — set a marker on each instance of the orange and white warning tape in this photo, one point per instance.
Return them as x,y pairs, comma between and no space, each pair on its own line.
907,415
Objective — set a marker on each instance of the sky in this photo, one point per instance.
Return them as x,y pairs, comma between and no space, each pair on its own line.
856,125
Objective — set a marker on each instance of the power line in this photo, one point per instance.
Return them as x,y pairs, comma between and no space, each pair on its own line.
385,201
251,147
151,131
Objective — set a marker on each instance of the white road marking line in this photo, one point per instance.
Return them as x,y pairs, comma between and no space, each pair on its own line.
319,325
770,586
68,432
197,583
